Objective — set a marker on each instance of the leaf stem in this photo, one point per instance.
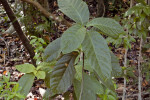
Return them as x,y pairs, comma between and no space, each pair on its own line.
82,77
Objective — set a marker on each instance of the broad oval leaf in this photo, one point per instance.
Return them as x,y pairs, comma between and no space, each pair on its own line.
75,9
52,51
25,68
107,25
116,69
98,54
63,73
72,38
25,83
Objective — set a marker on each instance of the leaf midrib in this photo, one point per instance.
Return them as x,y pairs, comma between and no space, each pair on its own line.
95,52
77,11
93,48
104,26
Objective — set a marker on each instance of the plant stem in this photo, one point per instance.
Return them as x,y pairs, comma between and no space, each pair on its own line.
82,77
125,82
139,72
125,61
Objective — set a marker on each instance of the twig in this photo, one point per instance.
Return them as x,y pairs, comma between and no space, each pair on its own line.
125,62
139,72
47,14
125,82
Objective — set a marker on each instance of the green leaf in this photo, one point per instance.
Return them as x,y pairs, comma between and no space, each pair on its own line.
25,83
147,11
75,9
34,37
40,75
77,88
25,68
87,65
91,87
46,66
63,73
78,74
47,79
134,9
106,82
98,54
116,69
110,97
141,1
91,83
107,25
33,41
78,68
52,51
72,38
19,96
48,94
41,40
